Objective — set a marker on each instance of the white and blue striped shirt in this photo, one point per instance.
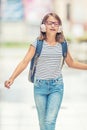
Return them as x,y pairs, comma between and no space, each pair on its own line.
49,62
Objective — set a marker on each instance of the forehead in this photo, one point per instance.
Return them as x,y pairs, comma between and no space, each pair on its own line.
51,18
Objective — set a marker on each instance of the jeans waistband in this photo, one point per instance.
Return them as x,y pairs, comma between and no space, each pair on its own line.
48,80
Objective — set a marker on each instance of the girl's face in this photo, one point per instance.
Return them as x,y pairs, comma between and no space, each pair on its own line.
52,25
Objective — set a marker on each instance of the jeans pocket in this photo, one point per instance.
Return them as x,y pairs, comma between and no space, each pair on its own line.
58,84
58,81
37,83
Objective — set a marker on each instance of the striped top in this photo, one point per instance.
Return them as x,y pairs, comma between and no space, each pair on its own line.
49,62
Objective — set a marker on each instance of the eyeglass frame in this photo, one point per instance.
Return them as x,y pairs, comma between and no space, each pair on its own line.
56,24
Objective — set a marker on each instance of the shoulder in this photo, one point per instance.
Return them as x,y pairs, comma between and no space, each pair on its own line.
34,43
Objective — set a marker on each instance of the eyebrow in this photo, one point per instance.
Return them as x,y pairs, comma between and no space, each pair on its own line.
52,21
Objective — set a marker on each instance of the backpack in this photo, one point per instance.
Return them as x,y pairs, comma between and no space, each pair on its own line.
34,60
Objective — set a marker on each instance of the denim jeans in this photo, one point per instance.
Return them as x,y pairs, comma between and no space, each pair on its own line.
48,96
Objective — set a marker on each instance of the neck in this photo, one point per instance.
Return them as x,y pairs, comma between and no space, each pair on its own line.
51,39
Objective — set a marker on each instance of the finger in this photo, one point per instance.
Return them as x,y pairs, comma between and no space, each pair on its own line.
7,84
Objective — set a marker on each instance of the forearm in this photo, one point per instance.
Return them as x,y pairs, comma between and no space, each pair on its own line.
75,64
21,66
78,65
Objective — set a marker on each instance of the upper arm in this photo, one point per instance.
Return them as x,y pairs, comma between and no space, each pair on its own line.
29,55
69,59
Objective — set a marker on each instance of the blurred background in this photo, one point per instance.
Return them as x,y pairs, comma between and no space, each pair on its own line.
19,26
20,19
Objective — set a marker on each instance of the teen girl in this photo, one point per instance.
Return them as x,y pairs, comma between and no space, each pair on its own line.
48,84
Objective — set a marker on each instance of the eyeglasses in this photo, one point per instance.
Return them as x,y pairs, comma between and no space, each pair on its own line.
52,23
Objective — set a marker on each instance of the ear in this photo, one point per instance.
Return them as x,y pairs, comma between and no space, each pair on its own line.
60,29
43,28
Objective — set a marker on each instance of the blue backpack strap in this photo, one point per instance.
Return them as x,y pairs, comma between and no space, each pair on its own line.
64,51
64,48
37,52
34,60
39,47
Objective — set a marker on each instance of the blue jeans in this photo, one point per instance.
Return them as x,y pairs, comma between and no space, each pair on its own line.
48,96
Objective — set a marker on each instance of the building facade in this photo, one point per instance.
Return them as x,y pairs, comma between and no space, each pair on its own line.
20,19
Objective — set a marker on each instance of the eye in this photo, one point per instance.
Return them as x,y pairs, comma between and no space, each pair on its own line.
55,23
52,23
49,23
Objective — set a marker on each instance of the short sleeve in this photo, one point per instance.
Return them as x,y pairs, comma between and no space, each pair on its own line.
34,43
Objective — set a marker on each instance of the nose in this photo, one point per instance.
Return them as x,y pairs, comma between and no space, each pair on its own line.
52,24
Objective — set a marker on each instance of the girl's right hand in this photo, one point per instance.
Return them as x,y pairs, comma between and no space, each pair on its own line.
8,83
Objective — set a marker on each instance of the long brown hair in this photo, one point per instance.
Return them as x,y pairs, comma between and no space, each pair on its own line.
59,36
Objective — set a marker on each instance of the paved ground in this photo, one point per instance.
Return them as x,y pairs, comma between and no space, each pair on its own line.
17,108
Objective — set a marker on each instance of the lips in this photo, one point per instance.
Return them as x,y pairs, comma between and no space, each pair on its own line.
52,29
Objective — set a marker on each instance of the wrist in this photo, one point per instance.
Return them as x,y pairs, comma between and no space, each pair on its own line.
12,79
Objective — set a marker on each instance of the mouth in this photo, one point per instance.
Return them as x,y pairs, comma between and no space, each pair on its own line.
52,29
